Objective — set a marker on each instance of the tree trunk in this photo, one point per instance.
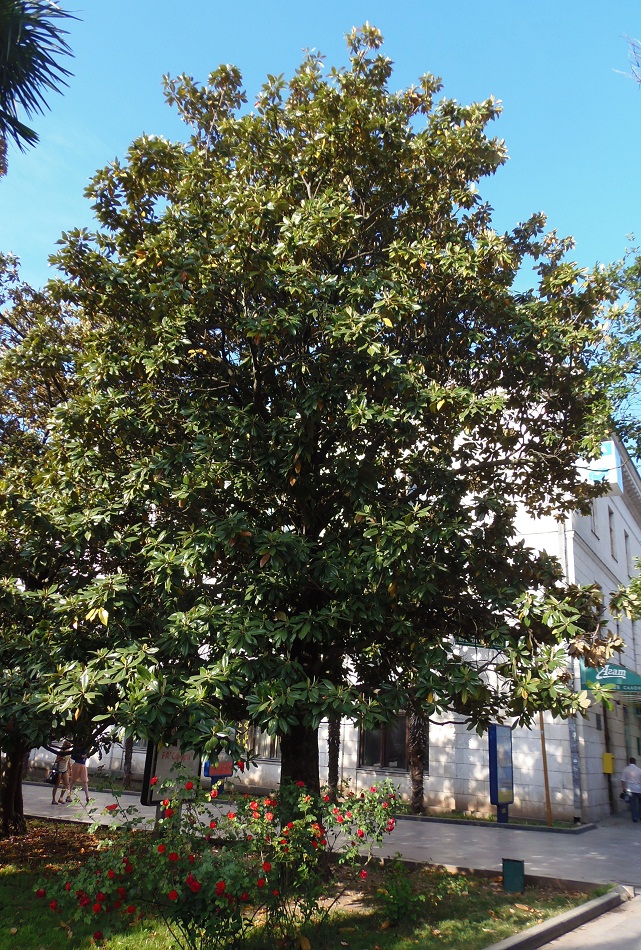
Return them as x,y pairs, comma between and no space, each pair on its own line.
333,750
299,757
126,766
13,820
417,740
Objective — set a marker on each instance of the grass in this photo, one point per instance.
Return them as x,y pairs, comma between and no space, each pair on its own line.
449,911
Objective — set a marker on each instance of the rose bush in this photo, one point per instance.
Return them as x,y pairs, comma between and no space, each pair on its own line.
214,870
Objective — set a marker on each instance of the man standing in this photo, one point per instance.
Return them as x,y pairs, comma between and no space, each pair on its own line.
631,783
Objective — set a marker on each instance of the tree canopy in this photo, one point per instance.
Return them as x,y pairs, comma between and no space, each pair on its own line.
307,402
32,41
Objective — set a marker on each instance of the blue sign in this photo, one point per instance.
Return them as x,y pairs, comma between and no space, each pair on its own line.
501,770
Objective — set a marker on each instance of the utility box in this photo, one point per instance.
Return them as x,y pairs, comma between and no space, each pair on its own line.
513,876
608,763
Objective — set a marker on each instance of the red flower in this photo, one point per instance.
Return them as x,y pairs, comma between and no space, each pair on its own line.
111,874
340,819
40,892
97,936
220,887
348,814
269,816
360,833
195,886
68,886
128,868
161,849
373,788
166,802
53,905
213,823
154,780
266,867
275,892
84,901
97,908
131,909
112,807
231,815
241,765
391,824
189,786
290,825
244,896
384,805
253,806
249,837
325,798
122,893
100,896
301,784
169,812
214,793
173,895
191,858
260,882
363,874
173,856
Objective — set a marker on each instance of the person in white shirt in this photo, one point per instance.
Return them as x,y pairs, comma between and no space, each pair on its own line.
631,784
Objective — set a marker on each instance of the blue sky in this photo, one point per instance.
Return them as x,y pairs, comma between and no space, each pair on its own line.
571,117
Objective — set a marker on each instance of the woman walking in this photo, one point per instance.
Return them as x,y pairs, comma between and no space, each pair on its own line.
79,773
62,778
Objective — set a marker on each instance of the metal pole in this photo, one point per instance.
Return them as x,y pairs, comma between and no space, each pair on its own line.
548,807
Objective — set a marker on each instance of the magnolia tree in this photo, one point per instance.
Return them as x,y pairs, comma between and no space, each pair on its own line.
307,404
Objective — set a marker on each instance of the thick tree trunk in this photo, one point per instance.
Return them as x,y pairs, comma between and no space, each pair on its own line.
299,757
417,739
13,820
333,750
126,766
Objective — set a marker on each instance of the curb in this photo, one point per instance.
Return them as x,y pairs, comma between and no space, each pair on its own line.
509,826
549,930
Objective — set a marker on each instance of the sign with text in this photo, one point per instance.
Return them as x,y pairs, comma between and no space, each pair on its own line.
501,770
160,761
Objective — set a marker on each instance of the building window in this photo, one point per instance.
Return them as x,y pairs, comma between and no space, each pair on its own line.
599,722
387,746
263,745
613,550
593,522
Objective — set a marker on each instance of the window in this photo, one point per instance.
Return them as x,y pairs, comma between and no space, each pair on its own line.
613,550
386,746
593,522
263,745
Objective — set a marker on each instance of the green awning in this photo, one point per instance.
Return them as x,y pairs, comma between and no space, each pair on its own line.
620,677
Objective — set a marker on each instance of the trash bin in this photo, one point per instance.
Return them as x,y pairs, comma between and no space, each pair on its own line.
513,876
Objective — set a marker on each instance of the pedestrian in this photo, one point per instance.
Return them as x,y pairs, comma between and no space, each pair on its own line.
631,786
61,765
79,772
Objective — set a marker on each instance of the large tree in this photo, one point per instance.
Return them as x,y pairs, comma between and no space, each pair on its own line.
32,42
310,402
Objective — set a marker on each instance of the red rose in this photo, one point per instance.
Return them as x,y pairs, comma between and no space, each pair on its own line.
195,886
128,868
173,856
53,904
384,805
266,867
68,886
241,765
84,901
189,786
325,798
112,807
275,892
161,849
166,802
269,816
244,896
231,815
173,895
111,874
301,784
100,896
253,806
340,819
220,887
391,824
122,893
154,780
213,823
373,788
360,833
363,874
97,935
97,908
214,793
260,882
169,812
348,814
40,892
131,909
117,904
191,858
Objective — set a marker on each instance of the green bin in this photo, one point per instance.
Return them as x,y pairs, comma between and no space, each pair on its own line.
513,876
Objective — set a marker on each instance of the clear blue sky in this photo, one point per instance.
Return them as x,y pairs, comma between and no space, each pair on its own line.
571,116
